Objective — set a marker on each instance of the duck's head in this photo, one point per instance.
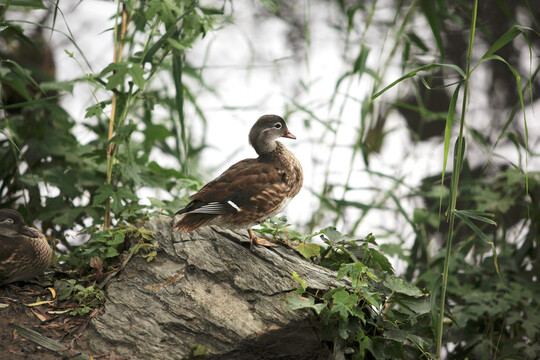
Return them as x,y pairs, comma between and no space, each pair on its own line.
12,224
266,130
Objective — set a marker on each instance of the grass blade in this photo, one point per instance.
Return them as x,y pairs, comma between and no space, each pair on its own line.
473,227
447,136
416,71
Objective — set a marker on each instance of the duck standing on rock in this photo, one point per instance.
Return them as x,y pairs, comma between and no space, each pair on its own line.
24,251
252,190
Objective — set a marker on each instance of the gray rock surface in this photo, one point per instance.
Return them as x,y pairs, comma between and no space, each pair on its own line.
211,288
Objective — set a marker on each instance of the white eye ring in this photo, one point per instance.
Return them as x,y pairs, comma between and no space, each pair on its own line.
277,125
8,221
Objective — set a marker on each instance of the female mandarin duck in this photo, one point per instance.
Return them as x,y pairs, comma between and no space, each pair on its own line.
24,251
252,190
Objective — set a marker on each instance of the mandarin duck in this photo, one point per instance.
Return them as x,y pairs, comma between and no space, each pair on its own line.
252,190
24,251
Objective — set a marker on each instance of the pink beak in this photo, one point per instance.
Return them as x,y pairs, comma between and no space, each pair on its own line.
289,135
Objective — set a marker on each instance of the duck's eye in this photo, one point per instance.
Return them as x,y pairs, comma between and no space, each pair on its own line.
278,126
8,221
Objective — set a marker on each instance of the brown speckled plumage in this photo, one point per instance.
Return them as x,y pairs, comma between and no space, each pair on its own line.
252,190
24,251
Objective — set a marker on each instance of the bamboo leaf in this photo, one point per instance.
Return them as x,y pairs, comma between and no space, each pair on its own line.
473,227
447,136
46,342
23,4
478,215
505,39
416,71
428,8
520,93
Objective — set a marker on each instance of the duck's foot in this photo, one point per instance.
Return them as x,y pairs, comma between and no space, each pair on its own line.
259,241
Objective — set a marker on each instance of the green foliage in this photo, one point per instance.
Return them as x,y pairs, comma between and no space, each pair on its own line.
197,352
486,218
87,298
375,314
493,280
488,213
108,245
53,177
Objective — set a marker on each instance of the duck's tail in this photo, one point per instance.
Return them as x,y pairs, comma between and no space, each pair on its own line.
190,222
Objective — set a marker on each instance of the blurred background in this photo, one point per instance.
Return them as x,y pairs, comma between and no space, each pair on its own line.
116,110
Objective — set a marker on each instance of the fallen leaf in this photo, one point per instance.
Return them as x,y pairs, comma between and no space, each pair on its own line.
41,317
53,292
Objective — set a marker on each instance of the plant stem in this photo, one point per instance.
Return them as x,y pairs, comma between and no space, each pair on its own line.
118,48
458,161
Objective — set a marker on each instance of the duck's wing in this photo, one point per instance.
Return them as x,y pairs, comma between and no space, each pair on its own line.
250,186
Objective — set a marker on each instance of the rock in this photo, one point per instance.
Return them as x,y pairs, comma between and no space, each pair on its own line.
208,287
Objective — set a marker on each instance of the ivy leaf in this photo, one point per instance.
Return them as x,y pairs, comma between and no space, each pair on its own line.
119,71
381,261
95,110
64,288
296,302
137,74
333,235
342,310
111,252
355,272
308,250
345,298
102,194
399,285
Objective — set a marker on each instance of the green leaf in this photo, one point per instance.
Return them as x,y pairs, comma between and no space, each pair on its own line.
473,227
418,42
137,74
64,288
111,252
119,72
24,4
207,10
416,71
178,45
428,8
505,39
381,261
95,110
399,285
345,298
303,285
419,306
21,73
308,250
342,309
478,215
296,302
355,272
360,62
387,349
118,238
333,235
102,194
520,93
447,137
156,203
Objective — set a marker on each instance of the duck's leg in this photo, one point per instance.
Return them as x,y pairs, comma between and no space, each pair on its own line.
259,241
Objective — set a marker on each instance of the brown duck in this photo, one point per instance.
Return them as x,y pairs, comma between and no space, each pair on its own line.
24,251
252,190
